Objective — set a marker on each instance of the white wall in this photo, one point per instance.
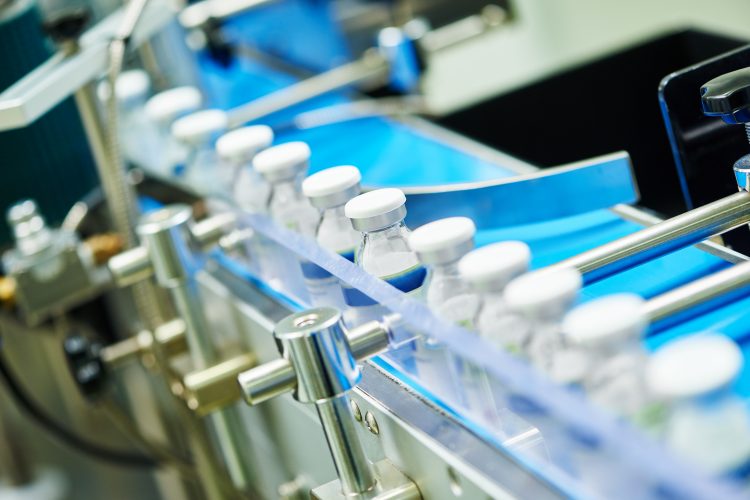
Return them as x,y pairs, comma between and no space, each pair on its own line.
551,34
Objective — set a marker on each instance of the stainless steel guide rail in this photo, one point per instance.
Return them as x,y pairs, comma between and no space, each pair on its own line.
698,292
661,238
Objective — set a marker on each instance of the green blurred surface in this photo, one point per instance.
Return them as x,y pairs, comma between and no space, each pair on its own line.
50,160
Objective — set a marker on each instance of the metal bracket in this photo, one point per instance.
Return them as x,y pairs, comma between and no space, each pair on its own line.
61,76
216,387
167,254
319,367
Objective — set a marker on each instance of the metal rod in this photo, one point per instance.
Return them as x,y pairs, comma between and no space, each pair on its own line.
165,234
189,308
372,67
276,377
662,238
226,423
197,14
353,468
698,292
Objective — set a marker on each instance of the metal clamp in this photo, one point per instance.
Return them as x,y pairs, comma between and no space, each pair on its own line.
215,387
320,366
167,254
136,264
170,338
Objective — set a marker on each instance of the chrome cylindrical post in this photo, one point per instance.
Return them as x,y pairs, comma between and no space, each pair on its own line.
166,236
278,377
662,238
354,470
315,343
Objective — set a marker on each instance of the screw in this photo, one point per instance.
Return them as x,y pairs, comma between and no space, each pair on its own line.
355,410
371,423
178,389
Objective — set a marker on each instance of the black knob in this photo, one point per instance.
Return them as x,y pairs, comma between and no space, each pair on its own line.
76,349
67,24
85,364
728,97
90,378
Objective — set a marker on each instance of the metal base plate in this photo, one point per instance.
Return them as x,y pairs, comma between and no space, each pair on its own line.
392,485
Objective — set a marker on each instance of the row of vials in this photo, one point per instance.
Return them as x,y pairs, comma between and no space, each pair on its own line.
682,392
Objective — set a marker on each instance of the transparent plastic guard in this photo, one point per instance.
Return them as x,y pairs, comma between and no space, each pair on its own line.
553,430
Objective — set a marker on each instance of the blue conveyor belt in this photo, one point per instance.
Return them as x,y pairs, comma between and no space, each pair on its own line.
391,153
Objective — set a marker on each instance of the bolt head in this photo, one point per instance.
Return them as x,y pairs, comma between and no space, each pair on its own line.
742,173
371,423
728,97
355,410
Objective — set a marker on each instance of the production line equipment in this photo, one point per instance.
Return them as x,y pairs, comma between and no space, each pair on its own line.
272,269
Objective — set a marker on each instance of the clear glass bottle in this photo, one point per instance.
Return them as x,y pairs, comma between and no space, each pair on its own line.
709,424
541,299
328,191
439,246
236,150
489,270
162,110
384,250
610,330
198,132
283,167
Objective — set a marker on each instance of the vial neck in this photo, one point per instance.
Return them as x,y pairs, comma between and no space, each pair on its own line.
287,189
335,232
629,346
446,270
546,324
335,213
199,152
492,302
386,252
394,231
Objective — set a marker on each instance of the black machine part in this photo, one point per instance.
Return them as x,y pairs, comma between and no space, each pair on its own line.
701,106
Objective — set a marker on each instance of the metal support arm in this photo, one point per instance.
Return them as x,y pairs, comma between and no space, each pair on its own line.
319,367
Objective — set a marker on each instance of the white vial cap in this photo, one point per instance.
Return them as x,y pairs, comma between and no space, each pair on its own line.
242,144
444,240
200,126
616,317
131,85
543,292
283,162
333,186
169,105
693,366
376,209
491,268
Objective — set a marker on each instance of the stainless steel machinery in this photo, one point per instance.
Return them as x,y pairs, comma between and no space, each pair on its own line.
159,340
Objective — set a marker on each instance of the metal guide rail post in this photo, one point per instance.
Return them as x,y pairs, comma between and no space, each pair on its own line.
320,367
167,255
